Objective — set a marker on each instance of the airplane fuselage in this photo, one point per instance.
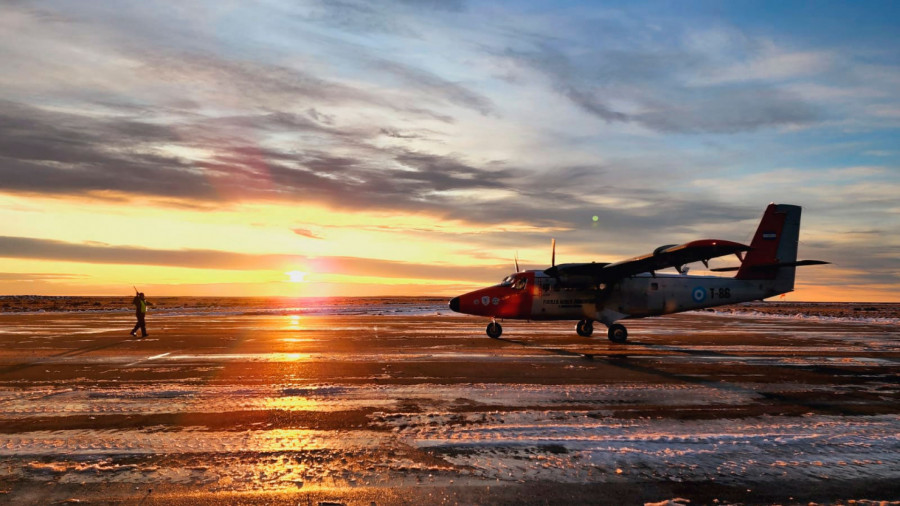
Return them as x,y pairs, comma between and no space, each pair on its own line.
533,295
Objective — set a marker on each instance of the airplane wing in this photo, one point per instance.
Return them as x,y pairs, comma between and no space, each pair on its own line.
663,257
798,263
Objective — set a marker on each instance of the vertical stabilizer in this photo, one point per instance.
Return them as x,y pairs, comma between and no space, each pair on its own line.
773,253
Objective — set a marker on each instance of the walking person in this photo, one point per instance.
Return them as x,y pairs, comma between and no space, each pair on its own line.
140,310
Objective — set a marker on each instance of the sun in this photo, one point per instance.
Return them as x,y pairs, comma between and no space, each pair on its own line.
296,276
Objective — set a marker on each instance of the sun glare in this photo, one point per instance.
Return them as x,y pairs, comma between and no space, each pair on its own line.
296,276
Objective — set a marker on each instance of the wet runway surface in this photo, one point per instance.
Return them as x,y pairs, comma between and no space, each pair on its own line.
411,409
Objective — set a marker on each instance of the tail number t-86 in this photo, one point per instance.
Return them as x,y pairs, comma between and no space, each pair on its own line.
720,293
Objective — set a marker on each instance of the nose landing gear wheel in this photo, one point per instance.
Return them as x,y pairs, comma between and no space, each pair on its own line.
584,328
494,330
617,333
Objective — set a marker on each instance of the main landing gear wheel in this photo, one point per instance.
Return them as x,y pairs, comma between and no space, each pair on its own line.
494,330
584,328
617,333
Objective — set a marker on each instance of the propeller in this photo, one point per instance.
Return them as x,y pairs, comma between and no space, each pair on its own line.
517,261
553,252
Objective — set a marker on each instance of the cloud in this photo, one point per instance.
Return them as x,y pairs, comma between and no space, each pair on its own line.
62,153
36,276
432,85
590,102
397,134
306,233
44,151
730,110
256,149
47,249
247,84
662,89
172,61
773,66
53,152
389,17
861,261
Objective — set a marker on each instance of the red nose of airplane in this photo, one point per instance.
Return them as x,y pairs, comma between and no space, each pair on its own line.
454,304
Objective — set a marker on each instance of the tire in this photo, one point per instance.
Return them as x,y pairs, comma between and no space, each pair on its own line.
584,328
494,330
617,333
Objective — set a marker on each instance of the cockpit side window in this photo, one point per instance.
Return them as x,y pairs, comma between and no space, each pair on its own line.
514,282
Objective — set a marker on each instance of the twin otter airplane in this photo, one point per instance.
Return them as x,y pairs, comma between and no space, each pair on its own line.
607,293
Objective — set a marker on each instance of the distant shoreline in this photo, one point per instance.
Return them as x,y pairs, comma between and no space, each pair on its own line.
66,304
383,305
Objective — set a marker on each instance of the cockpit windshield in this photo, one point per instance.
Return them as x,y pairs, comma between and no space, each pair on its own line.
517,283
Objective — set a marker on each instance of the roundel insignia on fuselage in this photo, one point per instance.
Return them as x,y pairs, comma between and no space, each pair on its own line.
698,294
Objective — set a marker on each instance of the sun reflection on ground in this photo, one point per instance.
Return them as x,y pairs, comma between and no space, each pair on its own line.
292,403
289,357
294,322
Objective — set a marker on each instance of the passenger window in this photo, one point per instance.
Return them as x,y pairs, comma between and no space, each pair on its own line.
654,286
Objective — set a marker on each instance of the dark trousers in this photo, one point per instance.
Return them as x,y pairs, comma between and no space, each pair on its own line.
140,325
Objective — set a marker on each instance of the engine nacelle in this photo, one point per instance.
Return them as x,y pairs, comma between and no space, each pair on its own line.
660,249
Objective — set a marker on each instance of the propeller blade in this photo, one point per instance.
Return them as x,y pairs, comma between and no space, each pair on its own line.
553,252
517,261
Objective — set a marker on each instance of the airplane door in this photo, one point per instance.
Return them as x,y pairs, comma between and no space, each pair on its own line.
656,297
634,295
527,295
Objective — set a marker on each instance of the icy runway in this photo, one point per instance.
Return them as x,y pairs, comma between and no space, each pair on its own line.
416,408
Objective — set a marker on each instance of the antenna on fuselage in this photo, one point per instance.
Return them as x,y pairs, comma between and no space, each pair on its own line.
553,252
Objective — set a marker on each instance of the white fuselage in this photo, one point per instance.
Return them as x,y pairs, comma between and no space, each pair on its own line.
640,296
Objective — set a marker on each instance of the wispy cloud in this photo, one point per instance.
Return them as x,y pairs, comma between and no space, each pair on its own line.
303,232
678,89
45,249
37,276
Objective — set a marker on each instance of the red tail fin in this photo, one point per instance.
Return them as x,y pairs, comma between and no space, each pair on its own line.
774,243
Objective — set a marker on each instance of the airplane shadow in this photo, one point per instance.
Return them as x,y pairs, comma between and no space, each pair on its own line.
826,370
557,351
622,360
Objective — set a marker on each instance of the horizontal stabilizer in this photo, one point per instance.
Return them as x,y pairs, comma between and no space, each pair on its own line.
798,263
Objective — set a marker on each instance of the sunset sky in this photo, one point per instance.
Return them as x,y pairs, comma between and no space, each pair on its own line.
413,147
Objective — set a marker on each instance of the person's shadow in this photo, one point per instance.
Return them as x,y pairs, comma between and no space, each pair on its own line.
69,353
